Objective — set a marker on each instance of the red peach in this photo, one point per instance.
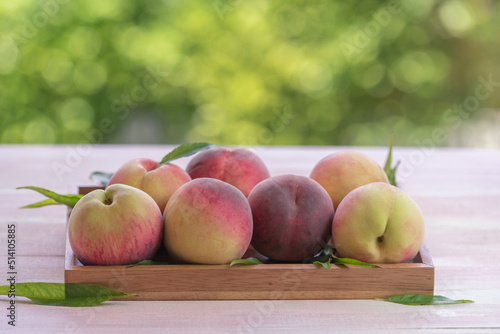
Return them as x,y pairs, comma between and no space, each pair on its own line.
292,217
236,166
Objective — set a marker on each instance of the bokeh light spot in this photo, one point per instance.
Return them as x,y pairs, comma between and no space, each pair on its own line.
8,55
90,77
76,114
13,133
315,76
208,120
373,76
85,42
39,131
58,70
455,17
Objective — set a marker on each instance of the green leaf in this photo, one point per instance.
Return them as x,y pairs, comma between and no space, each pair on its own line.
324,255
147,263
389,171
423,300
184,150
327,257
102,177
325,264
249,261
69,200
344,260
60,294
48,201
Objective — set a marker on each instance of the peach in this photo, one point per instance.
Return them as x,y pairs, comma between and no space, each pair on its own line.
207,221
158,182
119,225
341,172
378,223
236,166
292,217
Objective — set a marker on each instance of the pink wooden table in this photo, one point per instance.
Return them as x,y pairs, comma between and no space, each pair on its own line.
457,189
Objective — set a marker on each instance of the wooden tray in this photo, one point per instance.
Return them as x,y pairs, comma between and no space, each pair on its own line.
266,281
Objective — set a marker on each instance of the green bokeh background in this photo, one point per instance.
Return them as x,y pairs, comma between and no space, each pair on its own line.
249,72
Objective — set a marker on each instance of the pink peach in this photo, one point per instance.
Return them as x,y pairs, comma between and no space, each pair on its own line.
236,166
378,223
158,182
207,221
340,173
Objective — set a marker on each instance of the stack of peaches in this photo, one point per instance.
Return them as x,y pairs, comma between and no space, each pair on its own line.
226,201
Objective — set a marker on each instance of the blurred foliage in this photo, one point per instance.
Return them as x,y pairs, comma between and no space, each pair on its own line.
241,71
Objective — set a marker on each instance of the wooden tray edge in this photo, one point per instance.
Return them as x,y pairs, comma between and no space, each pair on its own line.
424,269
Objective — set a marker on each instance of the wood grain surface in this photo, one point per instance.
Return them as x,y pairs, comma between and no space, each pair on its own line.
265,281
457,189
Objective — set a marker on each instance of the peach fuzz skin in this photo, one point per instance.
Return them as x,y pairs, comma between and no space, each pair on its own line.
119,225
292,217
378,223
236,166
207,221
340,173
159,183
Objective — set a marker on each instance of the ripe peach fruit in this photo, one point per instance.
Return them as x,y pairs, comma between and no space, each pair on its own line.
119,225
292,217
158,182
340,173
378,223
207,221
237,166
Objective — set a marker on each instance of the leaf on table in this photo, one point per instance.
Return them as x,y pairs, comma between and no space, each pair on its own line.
326,257
248,261
325,264
148,263
417,299
354,262
184,150
102,177
69,200
61,294
390,171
